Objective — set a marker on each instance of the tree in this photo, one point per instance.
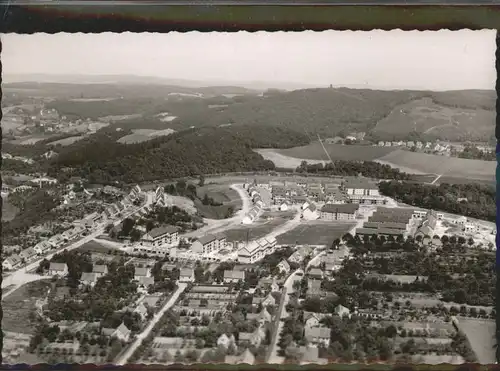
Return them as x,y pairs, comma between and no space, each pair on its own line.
201,182
127,226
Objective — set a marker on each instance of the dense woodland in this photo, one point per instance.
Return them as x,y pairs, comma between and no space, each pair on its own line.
193,152
367,169
472,200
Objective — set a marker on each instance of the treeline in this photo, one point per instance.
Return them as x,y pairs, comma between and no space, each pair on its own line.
367,169
100,159
474,153
34,208
472,200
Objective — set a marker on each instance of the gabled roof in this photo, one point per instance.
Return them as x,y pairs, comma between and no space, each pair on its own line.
58,267
285,264
240,275
88,277
97,268
141,271
206,239
186,272
123,329
161,231
340,208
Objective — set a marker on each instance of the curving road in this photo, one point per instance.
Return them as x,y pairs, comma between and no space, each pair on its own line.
139,339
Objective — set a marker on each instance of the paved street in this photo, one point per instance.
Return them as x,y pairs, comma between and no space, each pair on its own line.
273,356
140,337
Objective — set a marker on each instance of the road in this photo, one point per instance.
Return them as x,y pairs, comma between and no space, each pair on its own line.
215,225
138,341
288,226
281,314
20,276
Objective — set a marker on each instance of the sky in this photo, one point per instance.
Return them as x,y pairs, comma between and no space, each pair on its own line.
442,60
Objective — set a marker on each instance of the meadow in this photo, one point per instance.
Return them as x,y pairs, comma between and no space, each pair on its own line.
314,233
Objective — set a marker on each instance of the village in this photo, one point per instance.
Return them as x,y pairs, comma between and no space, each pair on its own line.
171,295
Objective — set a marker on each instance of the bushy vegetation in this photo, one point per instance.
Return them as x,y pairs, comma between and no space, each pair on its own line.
473,200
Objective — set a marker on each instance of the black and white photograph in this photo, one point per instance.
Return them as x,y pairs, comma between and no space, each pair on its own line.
249,198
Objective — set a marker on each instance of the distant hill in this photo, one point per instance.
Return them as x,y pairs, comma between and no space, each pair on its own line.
383,115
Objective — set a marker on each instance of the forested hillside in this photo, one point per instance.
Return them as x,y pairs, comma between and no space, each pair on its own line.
199,151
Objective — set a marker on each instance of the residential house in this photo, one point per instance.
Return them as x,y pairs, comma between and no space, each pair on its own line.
360,190
315,273
226,341
122,333
285,206
283,266
268,300
146,281
262,318
56,241
313,319
166,235
186,275
234,276
58,269
27,254
100,270
42,247
310,212
314,288
209,244
88,279
318,335
339,211
12,262
141,272
252,338
142,311
342,311
256,250
300,255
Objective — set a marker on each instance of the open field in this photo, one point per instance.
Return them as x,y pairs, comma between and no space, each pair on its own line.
221,193
448,166
95,247
481,335
9,211
314,233
314,151
18,306
67,141
142,135
437,120
260,228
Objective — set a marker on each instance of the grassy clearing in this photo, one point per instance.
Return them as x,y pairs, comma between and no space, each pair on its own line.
440,121
481,335
314,233
67,141
95,247
254,232
9,211
314,151
221,193
18,306
142,135
448,166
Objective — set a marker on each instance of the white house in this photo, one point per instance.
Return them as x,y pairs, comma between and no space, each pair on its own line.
27,254
310,212
11,262
342,311
283,266
186,275
122,333
166,235
225,341
234,276
209,244
56,241
285,206
88,279
58,269
141,272
256,250
42,247
100,270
